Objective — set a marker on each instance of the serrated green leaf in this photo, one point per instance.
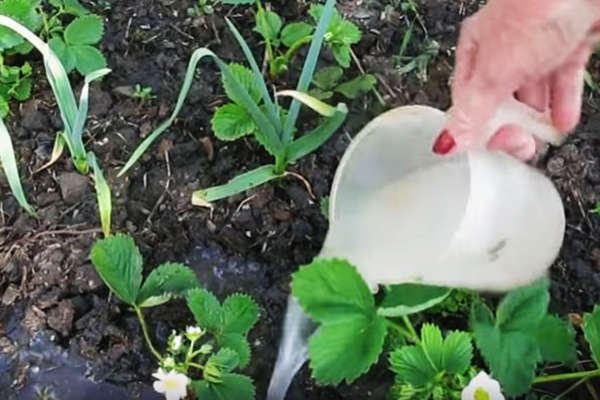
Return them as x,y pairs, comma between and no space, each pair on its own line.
231,122
524,308
239,344
341,53
85,30
225,360
511,355
556,340
327,78
411,365
88,59
165,282
22,91
346,349
246,79
432,343
457,352
332,291
410,298
357,86
64,53
346,32
294,32
73,7
23,12
119,263
240,313
591,330
268,24
206,309
231,387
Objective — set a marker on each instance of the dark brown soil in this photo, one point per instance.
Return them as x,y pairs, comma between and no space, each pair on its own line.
54,308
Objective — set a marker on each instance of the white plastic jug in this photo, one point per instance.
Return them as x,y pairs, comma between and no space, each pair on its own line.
480,219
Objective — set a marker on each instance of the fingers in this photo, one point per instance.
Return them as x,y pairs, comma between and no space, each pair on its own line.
515,141
536,95
567,91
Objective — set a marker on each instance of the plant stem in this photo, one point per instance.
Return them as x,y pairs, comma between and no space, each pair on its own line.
405,333
411,329
562,377
197,366
140,316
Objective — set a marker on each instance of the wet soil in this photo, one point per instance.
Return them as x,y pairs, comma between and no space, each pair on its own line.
57,318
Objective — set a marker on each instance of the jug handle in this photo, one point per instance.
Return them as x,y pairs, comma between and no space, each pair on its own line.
538,124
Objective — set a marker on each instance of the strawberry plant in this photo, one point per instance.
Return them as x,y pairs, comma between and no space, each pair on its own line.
203,358
516,340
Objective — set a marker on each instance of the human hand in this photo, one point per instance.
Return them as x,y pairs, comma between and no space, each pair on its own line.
532,50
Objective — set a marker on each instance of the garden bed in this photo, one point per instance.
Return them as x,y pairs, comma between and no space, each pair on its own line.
56,316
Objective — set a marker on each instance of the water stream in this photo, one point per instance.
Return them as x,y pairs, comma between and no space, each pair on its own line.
293,350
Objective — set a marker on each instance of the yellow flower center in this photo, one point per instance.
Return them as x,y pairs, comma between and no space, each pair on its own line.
481,394
171,384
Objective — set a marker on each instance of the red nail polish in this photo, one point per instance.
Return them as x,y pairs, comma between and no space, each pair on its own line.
444,143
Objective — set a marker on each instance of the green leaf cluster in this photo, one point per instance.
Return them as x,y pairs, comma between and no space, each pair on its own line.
75,46
229,324
340,35
25,12
351,334
327,82
119,263
521,335
435,367
15,83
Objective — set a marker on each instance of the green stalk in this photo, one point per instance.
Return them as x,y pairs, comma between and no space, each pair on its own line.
405,333
295,47
140,316
411,328
564,377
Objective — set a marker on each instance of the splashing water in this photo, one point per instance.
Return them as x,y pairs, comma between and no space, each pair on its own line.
293,350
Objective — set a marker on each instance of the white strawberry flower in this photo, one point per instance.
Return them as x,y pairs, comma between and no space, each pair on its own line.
172,384
482,387
194,332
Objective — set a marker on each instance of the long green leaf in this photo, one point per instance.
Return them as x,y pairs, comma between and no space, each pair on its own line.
257,114
258,76
102,193
314,139
239,184
76,133
308,70
9,165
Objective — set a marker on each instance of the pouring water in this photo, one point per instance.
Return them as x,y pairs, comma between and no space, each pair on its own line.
400,213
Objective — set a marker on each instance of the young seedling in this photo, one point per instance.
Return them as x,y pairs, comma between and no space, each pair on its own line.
73,117
254,111
341,34
144,93
327,82
203,7
203,358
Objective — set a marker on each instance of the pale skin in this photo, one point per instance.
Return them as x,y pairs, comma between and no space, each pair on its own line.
533,50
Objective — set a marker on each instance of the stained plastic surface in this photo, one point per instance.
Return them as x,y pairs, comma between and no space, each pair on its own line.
481,219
